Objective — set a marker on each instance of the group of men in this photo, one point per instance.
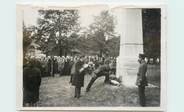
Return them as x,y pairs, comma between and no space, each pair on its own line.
105,69
52,65
79,69
76,66
81,65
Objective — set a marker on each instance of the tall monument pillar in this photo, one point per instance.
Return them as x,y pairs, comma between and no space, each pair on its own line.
131,44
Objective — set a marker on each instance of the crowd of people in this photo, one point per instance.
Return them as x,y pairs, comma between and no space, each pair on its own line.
75,66
51,65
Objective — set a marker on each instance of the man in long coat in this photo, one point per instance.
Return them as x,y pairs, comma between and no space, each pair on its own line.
141,79
66,69
55,65
77,76
51,66
31,84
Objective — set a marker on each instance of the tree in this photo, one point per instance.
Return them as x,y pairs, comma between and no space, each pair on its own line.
101,32
55,27
151,32
26,41
103,23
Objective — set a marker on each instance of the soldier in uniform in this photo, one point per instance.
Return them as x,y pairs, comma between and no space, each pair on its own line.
141,79
102,70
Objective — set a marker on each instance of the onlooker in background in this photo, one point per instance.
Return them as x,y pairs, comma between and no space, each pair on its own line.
146,59
157,61
51,66
55,62
151,61
66,69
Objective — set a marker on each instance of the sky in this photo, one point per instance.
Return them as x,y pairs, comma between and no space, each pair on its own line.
86,13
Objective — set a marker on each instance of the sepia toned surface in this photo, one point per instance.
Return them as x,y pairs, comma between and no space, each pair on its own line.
57,92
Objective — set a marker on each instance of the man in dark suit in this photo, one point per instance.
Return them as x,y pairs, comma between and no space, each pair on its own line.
51,66
102,70
31,83
66,69
77,76
141,79
55,65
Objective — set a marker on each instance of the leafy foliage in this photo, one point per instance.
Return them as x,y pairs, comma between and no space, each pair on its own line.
55,27
26,40
151,32
102,36
59,33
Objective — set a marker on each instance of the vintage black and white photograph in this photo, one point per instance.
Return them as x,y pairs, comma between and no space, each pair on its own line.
90,56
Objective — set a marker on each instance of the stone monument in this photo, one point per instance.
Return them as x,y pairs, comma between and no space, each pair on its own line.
131,44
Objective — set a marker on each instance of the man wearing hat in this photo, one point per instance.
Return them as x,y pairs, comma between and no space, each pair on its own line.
141,79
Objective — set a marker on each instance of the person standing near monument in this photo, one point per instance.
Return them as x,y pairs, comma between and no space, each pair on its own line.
141,81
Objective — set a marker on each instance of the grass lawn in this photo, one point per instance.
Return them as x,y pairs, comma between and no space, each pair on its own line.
56,91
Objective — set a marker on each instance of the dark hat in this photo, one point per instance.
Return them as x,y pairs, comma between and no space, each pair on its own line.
142,56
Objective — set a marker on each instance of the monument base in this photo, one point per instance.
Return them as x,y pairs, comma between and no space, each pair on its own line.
127,69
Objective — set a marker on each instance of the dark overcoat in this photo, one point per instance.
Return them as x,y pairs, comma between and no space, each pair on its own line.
66,69
141,75
55,62
102,70
50,66
77,78
31,84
